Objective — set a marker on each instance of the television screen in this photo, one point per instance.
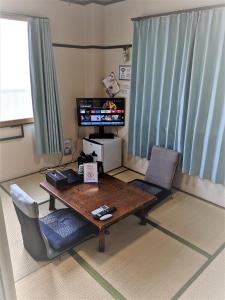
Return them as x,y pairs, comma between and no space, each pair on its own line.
101,111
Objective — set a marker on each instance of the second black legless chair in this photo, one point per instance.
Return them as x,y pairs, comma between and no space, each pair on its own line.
160,173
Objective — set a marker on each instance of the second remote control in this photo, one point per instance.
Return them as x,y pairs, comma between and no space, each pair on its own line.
105,212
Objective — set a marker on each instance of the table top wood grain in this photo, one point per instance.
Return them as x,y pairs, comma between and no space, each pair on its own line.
85,197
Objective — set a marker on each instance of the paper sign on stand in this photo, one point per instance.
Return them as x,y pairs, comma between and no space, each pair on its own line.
90,172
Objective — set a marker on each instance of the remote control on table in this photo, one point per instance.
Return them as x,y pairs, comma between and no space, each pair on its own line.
99,209
105,217
103,212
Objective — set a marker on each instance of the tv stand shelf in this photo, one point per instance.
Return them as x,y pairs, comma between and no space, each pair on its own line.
101,136
109,151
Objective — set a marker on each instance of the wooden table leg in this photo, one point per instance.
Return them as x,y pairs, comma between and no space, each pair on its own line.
52,203
142,215
101,245
107,231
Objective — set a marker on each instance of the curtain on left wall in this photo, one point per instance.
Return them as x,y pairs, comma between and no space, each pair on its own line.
45,98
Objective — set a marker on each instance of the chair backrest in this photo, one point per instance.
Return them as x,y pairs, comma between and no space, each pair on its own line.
162,167
28,215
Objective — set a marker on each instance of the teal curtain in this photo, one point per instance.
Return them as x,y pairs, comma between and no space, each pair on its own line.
48,130
178,90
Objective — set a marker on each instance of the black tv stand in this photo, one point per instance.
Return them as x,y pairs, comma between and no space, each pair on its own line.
101,134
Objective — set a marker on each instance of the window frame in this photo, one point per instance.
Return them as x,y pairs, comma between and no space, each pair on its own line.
17,122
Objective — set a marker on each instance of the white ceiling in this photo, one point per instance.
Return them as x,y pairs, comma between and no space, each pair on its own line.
85,2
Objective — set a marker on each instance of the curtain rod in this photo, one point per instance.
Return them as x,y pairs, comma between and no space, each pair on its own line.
6,14
178,12
92,46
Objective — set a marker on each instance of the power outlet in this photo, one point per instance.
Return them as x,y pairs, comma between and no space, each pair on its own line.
67,147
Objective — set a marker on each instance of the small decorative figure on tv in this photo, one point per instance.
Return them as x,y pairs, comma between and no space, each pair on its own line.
109,105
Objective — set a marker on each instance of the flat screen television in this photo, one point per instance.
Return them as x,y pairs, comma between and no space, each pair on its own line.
101,112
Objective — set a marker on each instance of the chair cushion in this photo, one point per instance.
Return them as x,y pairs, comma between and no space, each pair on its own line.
162,167
64,228
24,202
150,188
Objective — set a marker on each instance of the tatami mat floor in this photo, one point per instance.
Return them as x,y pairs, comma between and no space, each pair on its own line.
141,261
210,282
64,279
30,184
197,221
178,255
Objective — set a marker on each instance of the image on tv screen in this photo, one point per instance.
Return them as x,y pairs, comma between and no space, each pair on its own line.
101,111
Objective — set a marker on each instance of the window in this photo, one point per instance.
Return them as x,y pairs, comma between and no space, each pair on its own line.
15,90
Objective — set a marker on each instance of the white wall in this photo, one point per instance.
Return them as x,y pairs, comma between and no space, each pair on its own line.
7,287
67,26
78,73
118,29
117,18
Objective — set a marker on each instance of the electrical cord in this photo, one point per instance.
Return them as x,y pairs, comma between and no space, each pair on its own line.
117,131
48,169
115,128
59,165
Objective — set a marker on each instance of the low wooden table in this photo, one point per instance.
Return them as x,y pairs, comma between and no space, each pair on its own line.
84,198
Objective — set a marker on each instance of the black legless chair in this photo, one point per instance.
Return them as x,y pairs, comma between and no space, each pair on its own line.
50,236
160,174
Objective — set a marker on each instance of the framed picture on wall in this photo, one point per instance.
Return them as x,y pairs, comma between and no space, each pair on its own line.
125,72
